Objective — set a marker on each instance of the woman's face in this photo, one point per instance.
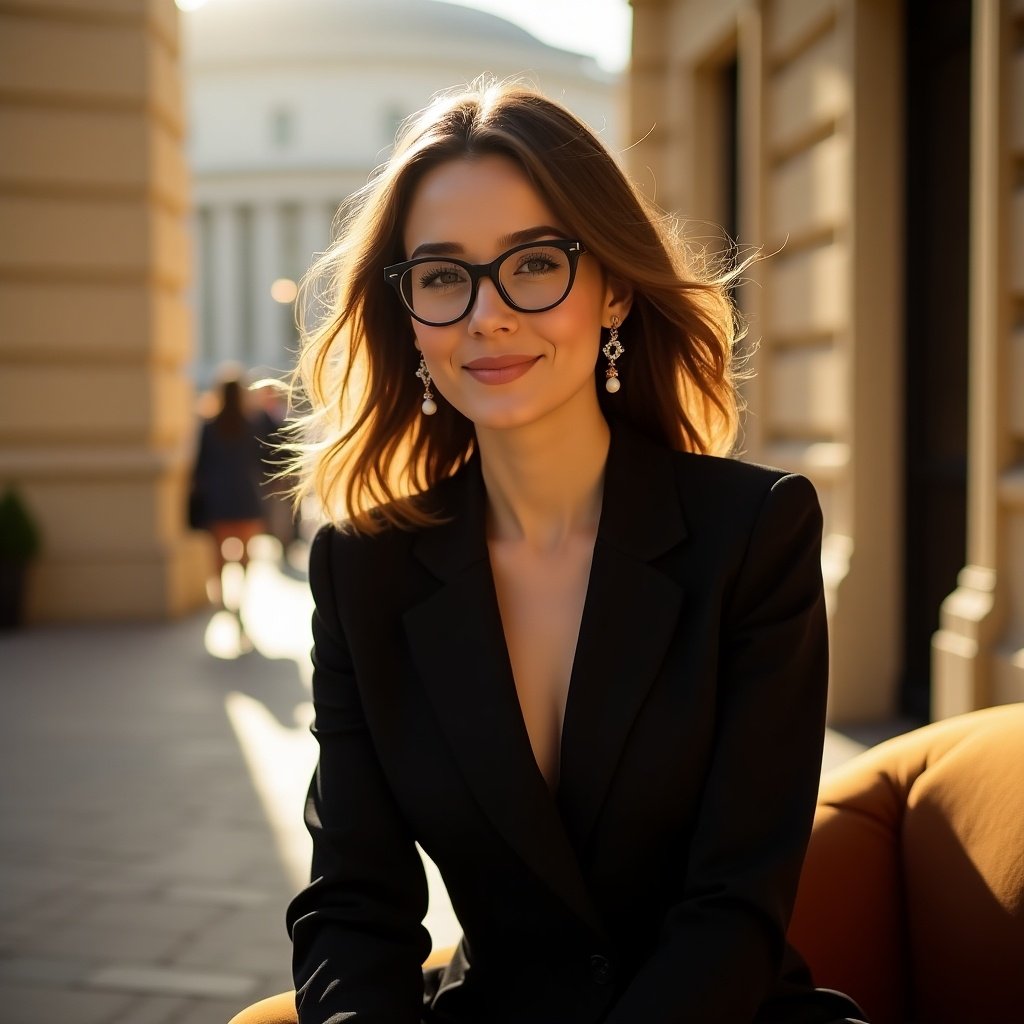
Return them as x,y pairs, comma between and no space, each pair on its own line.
499,367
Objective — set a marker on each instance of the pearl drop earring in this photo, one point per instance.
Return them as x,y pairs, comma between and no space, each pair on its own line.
429,406
613,348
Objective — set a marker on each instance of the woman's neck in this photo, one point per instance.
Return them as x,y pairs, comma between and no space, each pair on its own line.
544,481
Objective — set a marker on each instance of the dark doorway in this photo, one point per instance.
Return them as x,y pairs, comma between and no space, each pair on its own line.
938,98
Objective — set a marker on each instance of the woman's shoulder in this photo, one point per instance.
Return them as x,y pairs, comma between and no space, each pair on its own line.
348,543
381,534
346,563
746,514
730,470
726,476
728,487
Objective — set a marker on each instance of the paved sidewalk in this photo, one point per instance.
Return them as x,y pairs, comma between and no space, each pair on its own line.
150,813
141,880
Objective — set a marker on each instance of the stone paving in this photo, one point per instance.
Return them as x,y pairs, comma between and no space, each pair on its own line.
150,812
141,878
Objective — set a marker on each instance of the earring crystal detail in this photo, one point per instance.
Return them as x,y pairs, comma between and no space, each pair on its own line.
429,406
613,348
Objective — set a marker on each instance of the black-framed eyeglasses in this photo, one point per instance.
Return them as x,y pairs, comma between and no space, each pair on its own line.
531,278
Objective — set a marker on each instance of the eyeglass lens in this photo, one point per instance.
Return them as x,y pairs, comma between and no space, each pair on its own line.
439,290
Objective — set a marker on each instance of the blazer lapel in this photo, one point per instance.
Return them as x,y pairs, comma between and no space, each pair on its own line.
629,618
459,648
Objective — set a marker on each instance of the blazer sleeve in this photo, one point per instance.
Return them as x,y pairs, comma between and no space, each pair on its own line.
358,941
722,945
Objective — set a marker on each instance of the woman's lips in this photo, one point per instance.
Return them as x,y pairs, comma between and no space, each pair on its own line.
499,369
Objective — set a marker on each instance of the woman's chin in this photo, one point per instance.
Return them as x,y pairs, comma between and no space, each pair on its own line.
503,419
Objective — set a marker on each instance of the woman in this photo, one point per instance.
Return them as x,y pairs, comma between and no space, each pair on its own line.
562,644
229,474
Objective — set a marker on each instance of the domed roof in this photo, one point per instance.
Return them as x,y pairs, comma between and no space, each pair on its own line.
230,31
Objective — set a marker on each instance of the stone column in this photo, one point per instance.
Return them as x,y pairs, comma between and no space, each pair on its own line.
96,421
978,651
267,261
314,229
820,183
314,237
224,282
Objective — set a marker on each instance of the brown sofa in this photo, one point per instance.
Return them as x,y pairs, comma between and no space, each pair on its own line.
280,1009
912,895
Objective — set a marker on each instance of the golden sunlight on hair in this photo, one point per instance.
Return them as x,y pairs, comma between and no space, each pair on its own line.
359,442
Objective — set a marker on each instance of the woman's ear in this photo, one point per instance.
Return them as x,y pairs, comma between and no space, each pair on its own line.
618,300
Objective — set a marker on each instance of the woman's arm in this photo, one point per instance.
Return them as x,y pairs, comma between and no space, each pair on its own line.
356,933
722,945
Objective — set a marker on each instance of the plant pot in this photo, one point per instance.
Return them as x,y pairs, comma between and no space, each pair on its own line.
12,592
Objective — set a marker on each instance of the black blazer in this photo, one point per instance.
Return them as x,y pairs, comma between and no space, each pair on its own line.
657,886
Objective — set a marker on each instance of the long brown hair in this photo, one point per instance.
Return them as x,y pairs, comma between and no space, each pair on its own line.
364,442
231,420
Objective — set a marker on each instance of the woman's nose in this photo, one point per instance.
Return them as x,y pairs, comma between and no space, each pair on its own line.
489,311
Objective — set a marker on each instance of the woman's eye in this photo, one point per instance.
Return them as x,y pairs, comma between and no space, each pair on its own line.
440,277
536,264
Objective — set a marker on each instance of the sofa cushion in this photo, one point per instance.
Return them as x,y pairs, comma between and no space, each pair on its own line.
912,895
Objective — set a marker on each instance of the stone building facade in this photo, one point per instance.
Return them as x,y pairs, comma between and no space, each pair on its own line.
874,149
289,116
95,401
116,259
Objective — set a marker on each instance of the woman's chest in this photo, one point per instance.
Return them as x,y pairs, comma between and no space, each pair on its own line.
541,597
435,666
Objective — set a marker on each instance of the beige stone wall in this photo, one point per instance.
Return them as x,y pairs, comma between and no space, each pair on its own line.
95,410
819,187
829,376
978,653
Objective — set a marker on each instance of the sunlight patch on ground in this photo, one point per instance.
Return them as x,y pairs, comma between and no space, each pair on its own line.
264,610
280,761
223,638
276,611
280,758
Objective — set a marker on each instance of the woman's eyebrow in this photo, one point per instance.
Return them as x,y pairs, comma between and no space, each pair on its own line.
530,235
437,249
514,238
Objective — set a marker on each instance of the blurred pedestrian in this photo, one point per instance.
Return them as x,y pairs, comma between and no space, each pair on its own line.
227,482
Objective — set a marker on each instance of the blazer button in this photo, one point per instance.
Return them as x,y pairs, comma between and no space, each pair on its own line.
600,969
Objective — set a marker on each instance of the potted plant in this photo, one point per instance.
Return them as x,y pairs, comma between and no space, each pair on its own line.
19,544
